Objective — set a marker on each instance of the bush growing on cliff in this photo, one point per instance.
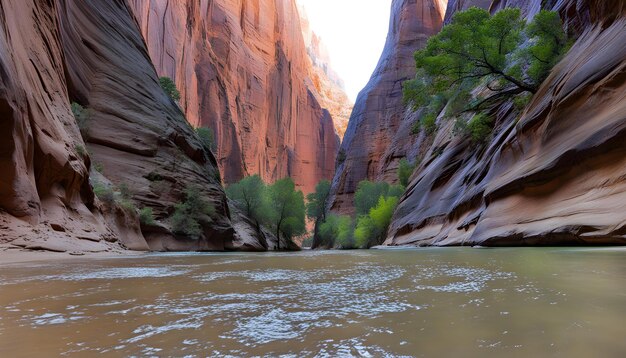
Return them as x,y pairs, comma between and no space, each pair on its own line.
405,169
104,192
191,213
501,52
207,138
170,88
146,217
81,115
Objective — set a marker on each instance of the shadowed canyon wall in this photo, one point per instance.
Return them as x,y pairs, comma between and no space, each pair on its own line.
92,52
243,70
376,122
555,174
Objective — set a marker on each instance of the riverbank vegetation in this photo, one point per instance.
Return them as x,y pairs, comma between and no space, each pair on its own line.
279,206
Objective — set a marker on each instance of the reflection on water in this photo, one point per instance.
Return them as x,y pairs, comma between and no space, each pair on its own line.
431,302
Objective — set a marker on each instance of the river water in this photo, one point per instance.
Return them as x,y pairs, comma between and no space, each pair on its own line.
454,302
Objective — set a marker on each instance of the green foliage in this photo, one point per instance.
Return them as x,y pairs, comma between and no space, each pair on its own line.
146,217
81,115
154,176
80,150
99,167
191,213
286,209
337,230
548,45
405,169
479,48
169,87
104,193
371,228
368,193
207,138
316,201
480,127
250,195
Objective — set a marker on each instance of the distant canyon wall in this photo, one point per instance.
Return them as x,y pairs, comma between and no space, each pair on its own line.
377,135
243,70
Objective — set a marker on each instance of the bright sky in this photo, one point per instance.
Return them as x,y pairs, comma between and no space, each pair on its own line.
354,32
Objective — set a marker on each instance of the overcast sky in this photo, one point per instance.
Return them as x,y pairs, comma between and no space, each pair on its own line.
354,32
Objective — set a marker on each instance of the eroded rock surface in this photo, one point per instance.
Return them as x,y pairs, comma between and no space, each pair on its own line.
555,174
92,52
243,70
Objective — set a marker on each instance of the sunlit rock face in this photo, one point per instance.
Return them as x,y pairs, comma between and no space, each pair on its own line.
92,52
554,175
377,136
243,70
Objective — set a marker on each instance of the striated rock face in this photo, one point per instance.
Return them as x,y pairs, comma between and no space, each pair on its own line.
556,176
135,132
92,52
377,118
45,198
243,71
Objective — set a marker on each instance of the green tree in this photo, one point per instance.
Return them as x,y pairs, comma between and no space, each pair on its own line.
371,228
286,209
170,88
479,48
189,215
405,170
316,207
336,229
250,195
367,194
207,138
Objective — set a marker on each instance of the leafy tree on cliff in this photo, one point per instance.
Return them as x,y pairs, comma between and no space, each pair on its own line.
191,213
207,138
405,170
286,209
502,52
250,195
316,207
368,193
336,229
170,88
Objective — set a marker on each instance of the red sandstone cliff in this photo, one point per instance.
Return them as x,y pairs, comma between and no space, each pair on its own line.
92,52
556,176
243,70
377,117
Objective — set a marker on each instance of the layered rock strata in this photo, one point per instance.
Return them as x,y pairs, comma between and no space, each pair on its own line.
243,70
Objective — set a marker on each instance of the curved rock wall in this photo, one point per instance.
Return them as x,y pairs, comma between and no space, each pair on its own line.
377,137
92,52
554,175
45,198
243,70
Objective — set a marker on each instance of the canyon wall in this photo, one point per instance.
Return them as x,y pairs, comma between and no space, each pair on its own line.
553,174
242,69
91,52
377,136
